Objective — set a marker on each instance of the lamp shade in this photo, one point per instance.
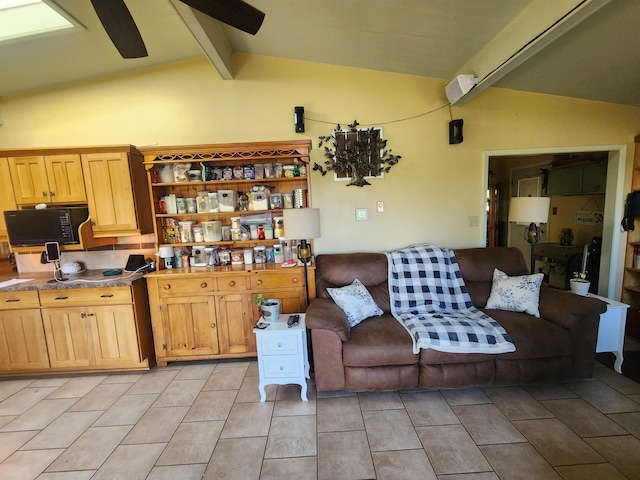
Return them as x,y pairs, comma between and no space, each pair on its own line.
166,252
301,223
529,209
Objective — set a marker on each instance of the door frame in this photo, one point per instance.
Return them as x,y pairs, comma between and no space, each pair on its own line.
613,243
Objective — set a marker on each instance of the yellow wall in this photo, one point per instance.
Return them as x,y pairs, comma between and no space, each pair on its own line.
429,196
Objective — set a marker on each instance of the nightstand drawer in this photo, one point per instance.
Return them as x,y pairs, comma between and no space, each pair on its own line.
278,366
283,344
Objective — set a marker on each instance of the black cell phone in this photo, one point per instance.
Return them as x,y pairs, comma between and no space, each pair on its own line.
53,251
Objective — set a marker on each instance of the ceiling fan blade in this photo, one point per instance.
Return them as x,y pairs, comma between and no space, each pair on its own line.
119,25
236,13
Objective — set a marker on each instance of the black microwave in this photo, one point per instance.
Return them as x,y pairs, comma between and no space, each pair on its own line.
36,227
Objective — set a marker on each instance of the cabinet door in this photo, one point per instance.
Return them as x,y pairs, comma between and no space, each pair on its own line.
22,340
565,181
68,336
114,335
109,194
64,175
7,200
594,178
236,318
189,326
290,302
29,176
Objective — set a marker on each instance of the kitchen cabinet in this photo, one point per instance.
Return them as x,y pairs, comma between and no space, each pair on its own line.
631,278
49,179
7,199
23,346
581,180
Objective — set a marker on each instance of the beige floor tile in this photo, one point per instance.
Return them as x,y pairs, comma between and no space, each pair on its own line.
212,405
178,472
292,391
557,443
50,382
78,386
622,384
487,425
516,404
252,370
27,465
226,378
249,392
635,398
470,476
9,387
629,421
81,475
518,461
380,401
180,393
63,431
549,391
339,414
248,420
621,451
24,399
428,408
390,430
157,425
287,408
90,450
602,471
292,437
403,465
125,377
344,455
603,397
6,420
101,397
40,415
192,443
236,459
465,396
12,441
289,468
127,410
130,462
154,381
582,418
451,450
195,371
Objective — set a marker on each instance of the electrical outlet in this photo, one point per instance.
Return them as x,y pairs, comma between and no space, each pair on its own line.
380,207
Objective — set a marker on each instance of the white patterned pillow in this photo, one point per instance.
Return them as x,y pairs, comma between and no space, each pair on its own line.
356,302
515,294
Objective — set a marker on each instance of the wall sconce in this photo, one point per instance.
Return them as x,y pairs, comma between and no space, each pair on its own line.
298,119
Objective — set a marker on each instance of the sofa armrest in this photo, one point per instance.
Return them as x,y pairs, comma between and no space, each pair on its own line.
325,314
566,309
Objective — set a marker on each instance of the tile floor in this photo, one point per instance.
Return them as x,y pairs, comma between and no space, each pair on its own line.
204,420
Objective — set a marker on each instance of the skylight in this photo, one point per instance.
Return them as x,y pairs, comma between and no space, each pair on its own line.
23,18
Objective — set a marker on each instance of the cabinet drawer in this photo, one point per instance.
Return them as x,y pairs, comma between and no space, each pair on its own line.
231,283
279,344
281,366
85,296
21,299
169,287
277,280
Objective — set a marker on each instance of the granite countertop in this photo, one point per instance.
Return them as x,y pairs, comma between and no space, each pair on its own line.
86,279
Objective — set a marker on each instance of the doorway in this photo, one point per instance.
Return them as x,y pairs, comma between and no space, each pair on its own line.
612,256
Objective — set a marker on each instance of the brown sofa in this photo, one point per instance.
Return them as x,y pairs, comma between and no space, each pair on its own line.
377,354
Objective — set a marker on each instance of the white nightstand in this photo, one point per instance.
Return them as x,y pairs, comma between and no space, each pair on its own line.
611,329
282,355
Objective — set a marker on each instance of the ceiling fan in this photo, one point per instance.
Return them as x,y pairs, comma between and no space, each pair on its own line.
121,28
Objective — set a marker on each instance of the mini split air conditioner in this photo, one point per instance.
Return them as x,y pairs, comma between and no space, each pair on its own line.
459,86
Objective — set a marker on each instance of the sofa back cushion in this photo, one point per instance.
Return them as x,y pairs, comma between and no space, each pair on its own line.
477,266
340,269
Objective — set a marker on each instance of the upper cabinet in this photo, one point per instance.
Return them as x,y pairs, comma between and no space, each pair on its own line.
49,179
7,200
582,180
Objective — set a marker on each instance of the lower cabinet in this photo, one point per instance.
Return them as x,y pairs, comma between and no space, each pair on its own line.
211,314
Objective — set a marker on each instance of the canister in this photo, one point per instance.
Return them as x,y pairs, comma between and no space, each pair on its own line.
235,222
186,231
237,256
287,200
212,231
227,200
259,254
277,253
236,234
198,234
213,202
181,205
299,198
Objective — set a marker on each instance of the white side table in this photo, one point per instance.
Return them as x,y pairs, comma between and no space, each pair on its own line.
611,329
282,355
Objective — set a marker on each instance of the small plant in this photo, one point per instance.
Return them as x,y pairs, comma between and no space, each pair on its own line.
580,276
259,299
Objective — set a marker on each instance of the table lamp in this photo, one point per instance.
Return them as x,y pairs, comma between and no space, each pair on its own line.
302,224
166,253
530,210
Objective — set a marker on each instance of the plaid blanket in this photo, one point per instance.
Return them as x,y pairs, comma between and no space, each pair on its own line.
429,297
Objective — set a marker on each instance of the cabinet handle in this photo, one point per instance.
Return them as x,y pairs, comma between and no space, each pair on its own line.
62,298
106,295
259,282
52,194
167,287
232,283
213,325
203,285
91,314
295,280
281,367
279,345
13,300
44,194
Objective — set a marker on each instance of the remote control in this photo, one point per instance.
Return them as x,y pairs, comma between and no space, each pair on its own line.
293,320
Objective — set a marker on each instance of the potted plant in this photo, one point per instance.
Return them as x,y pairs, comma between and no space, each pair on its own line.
579,283
269,307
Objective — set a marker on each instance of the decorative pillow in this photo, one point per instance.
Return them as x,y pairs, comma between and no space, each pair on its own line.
356,302
515,294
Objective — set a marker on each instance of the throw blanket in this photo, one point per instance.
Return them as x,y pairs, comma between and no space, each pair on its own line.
429,297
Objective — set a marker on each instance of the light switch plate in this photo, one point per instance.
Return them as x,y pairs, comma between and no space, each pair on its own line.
362,214
380,206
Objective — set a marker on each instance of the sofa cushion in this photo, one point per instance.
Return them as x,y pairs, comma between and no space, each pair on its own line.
355,301
378,341
516,294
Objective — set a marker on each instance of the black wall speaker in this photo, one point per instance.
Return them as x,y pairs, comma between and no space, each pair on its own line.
298,119
455,131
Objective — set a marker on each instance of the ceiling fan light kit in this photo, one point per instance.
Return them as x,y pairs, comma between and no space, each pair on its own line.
459,87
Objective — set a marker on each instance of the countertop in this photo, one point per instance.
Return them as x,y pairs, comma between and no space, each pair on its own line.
85,279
